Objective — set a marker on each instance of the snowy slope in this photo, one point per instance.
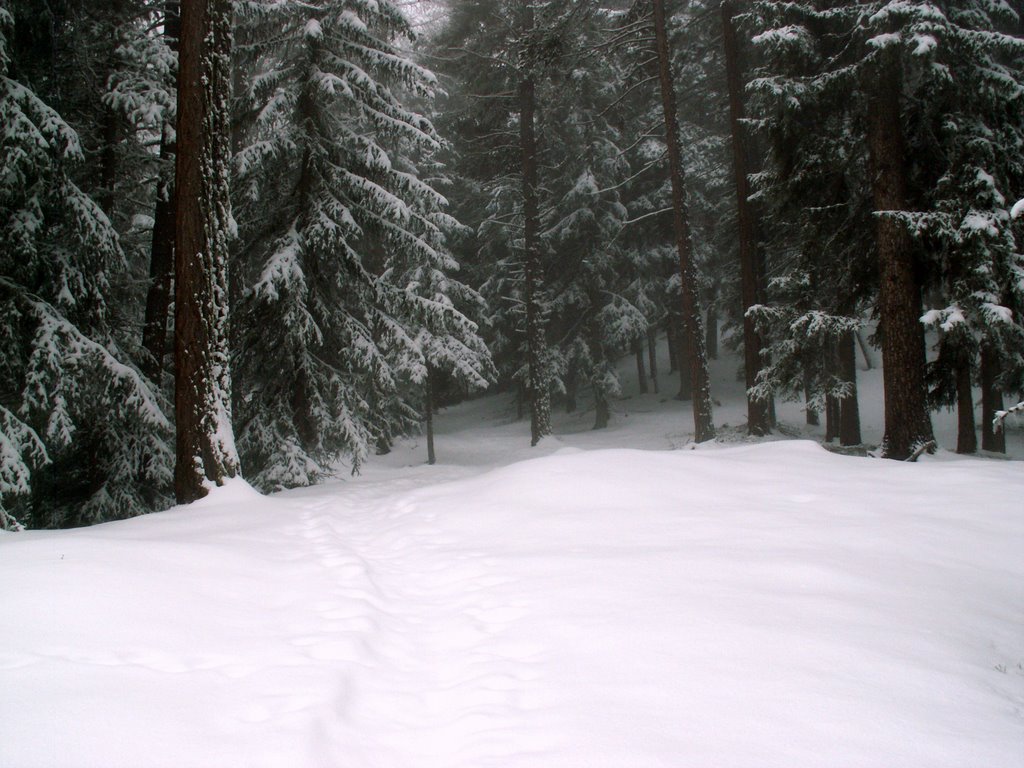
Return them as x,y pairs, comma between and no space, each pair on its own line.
756,605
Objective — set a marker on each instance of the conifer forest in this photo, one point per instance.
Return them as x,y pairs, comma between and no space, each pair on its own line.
511,383
273,237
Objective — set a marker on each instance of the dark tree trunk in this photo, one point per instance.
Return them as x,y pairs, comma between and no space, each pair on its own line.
849,409
302,415
811,413
641,371
758,422
571,384
205,443
907,424
428,409
991,401
703,424
673,349
683,353
161,270
966,436
652,355
539,396
831,418
711,334
161,259
602,411
830,366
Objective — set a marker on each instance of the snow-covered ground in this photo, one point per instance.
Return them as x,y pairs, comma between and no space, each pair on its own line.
577,604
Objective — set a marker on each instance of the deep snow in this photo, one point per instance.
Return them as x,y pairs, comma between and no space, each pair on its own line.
754,604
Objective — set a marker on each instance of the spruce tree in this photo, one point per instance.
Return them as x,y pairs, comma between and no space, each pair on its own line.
348,297
84,436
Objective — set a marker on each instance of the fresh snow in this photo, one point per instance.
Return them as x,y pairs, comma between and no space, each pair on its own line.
739,604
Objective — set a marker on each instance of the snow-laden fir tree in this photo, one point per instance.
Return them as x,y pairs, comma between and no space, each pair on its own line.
83,434
348,297
593,316
971,73
917,100
815,194
589,298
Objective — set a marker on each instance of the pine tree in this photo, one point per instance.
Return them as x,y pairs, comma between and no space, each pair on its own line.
348,297
83,434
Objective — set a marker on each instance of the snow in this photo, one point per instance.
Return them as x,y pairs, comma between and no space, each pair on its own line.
1018,209
754,603
924,44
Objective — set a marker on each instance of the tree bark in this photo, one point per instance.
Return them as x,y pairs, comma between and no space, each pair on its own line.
811,414
641,371
673,348
831,418
849,409
539,396
703,424
991,401
205,441
602,411
966,436
652,355
683,354
758,422
428,408
711,334
161,270
571,383
907,424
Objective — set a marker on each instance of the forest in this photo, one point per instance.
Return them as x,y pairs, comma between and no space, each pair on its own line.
271,238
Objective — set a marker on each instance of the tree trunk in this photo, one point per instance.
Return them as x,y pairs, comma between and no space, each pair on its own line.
966,436
539,396
641,371
830,366
205,441
831,418
428,409
161,270
991,401
161,259
652,356
673,349
711,334
602,411
571,384
683,353
703,424
811,414
758,422
907,424
865,352
849,409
